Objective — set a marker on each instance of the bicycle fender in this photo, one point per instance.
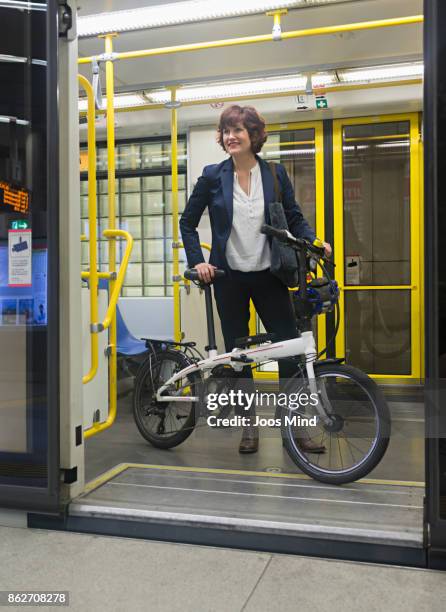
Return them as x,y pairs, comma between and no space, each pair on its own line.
329,361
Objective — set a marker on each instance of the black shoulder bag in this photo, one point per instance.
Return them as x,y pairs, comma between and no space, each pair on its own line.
283,258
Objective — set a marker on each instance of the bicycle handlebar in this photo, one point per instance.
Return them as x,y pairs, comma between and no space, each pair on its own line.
281,234
192,274
285,236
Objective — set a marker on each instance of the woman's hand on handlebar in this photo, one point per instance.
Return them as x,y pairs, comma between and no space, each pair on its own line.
205,272
328,250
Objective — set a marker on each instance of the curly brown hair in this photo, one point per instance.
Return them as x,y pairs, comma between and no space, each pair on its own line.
250,118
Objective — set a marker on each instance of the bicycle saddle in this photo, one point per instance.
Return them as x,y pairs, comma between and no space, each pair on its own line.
192,274
250,340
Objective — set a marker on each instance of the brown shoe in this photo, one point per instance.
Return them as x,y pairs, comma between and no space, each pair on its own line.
250,440
308,446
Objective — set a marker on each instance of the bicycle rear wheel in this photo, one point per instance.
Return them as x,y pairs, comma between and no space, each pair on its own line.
164,424
357,434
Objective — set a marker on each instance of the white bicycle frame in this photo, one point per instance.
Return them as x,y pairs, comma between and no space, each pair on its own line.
240,357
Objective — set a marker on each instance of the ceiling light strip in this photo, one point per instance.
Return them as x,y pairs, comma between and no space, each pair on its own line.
177,13
295,83
281,94
255,89
12,59
23,5
8,119
381,73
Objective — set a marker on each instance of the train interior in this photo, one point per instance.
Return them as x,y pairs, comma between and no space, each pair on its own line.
344,116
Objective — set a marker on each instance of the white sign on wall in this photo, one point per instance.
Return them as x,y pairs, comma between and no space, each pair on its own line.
352,269
19,258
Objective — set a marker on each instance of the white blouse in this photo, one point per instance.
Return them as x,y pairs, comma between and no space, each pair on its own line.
247,249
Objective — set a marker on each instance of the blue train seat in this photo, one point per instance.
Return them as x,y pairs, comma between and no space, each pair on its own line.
128,344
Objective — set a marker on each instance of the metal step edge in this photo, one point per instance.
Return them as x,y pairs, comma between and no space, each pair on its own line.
410,538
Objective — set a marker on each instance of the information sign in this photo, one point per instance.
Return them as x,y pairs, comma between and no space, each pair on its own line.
19,258
13,198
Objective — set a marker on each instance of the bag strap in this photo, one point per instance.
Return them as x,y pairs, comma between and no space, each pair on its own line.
272,167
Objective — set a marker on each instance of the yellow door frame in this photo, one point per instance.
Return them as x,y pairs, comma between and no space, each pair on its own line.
416,240
320,217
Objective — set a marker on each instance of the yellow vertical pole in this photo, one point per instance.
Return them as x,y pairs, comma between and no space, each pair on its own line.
92,223
421,238
252,319
415,253
338,187
109,77
175,233
321,321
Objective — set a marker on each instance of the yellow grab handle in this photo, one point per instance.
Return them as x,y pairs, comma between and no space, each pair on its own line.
115,233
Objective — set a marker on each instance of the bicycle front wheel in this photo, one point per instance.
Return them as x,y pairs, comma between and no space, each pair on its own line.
354,434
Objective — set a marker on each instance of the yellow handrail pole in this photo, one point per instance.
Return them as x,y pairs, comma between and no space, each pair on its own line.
86,275
320,178
111,310
175,232
110,319
112,364
92,217
110,93
204,245
247,40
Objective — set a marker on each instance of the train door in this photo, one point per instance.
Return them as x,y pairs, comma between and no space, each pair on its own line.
435,182
29,276
378,244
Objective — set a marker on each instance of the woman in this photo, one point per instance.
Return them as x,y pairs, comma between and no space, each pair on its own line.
237,193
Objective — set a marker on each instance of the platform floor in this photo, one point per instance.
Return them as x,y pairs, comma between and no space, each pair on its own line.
206,481
115,574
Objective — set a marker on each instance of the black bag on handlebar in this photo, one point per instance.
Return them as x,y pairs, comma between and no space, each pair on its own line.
283,257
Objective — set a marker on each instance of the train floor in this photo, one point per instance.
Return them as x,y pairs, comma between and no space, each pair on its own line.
206,482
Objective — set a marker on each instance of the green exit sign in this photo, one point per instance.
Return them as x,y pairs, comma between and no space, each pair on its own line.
19,225
321,103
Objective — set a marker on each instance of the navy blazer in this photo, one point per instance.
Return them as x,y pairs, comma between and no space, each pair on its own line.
214,189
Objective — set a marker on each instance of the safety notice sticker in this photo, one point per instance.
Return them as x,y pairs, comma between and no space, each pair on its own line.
19,258
352,269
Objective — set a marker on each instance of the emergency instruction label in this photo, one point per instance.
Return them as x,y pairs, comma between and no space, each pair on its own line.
352,269
19,258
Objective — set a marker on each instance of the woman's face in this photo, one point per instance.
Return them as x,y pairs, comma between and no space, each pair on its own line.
236,139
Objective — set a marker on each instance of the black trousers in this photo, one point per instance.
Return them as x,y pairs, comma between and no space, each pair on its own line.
272,303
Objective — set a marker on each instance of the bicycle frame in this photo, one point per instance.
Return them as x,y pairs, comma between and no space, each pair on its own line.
240,357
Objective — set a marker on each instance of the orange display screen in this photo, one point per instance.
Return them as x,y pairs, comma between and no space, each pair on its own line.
15,199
